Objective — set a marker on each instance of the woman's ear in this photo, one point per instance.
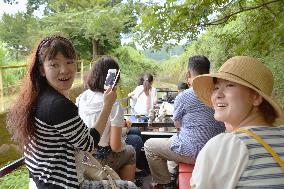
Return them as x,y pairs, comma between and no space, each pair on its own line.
257,99
41,71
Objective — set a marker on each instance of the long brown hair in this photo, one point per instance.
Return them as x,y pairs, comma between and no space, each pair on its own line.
147,83
21,117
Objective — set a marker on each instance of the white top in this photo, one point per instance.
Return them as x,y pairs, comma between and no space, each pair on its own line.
166,107
226,162
90,105
141,100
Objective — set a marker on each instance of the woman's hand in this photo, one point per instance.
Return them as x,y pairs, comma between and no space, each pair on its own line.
127,123
109,97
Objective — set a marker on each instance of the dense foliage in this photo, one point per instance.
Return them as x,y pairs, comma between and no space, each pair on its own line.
169,22
133,64
219,29
257,33
95,28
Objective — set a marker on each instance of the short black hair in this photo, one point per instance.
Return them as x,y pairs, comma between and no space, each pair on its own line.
199,65
97,75
182,86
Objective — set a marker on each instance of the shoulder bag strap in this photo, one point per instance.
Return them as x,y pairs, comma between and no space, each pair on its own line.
276,157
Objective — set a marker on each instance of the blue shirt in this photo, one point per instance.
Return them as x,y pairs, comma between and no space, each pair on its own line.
197,124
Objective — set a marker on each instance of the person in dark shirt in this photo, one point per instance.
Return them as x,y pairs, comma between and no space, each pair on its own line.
46,123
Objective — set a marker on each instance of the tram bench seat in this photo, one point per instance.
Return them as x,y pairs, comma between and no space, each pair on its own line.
185,172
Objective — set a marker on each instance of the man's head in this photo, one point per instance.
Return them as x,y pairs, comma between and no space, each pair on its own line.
182,86
197,65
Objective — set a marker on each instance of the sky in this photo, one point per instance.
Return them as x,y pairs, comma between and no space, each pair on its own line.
11,9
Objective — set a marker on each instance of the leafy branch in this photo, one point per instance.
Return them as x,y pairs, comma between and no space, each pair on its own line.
243,9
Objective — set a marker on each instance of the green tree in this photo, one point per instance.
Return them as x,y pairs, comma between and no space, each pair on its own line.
170,22
17,32
249,33
133,64
95,24
2,53
102,27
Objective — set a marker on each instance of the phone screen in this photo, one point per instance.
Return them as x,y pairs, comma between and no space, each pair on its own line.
115,80
110,78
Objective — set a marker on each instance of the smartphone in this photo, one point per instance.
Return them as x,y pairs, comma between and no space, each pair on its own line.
115,80
111,79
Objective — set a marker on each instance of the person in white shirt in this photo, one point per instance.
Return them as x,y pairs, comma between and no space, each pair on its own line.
145,96
240,93
112,149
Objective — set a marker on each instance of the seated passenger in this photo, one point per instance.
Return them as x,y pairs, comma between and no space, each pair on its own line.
181,87
145,96
133,137
43,119
111,149
132,101
240,93
195,123
166,107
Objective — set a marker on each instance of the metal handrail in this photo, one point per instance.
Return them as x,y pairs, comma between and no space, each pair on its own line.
12,166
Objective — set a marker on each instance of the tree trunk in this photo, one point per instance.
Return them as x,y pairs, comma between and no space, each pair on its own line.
95,48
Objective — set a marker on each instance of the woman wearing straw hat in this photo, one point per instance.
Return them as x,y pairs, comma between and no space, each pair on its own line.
251,153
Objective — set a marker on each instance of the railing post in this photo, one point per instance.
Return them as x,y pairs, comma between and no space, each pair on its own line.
1,89
82,71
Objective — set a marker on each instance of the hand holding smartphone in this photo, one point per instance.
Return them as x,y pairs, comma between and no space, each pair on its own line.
111,79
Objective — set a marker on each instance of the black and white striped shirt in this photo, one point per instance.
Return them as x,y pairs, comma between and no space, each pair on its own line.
59,130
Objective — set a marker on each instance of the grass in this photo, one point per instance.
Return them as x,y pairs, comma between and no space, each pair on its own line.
18,179
8,149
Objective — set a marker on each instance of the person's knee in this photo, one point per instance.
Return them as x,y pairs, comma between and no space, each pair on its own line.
134,140
138,140
131,154
150,145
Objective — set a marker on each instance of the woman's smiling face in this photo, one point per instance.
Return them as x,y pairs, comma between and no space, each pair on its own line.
59,73
233,103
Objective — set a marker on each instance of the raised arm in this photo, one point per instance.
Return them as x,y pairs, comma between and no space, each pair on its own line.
117,123
109,99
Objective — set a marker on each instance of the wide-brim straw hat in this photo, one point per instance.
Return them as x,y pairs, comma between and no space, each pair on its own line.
243,70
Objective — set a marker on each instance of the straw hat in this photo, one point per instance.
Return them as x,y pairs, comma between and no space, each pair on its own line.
243,70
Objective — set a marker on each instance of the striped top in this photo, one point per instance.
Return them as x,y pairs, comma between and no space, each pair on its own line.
59,130
197,124
262,170
236,160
